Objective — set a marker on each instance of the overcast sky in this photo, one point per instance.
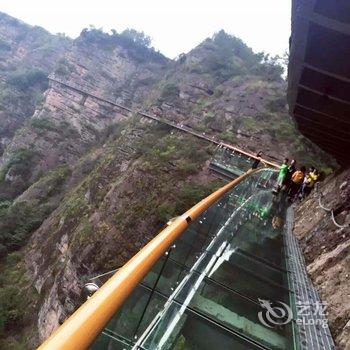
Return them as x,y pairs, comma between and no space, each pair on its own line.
175,26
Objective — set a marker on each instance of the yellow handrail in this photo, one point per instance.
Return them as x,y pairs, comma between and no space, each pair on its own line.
82,328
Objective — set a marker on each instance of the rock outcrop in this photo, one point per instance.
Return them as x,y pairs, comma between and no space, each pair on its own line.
326,249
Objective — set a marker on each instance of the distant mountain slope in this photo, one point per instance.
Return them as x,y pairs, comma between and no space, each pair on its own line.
223,88
27,55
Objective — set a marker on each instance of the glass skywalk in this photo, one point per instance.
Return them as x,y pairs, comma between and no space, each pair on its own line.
230,162
207,291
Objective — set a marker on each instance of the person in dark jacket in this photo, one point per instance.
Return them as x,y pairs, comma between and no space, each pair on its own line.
257,160
291,170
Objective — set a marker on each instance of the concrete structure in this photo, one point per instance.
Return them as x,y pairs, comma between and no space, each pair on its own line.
319,73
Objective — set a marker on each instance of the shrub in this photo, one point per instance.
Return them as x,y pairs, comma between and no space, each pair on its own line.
226,57
191,193
137,44
169,93
85,234
218,93
50,184
189,168
131,37
248,123
269,67
4,203
230,45
228,136
209,117
20,163
113,131
64,68
283,130
276,105
23,80
43,124
15,298
17,221
164,212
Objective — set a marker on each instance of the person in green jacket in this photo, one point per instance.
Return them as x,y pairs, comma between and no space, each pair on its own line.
281,176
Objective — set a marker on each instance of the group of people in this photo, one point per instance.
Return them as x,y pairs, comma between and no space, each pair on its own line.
297,182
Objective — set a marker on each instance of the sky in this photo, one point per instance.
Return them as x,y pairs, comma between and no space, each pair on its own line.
175,26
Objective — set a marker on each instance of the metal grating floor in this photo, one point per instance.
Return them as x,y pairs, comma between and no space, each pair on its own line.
313,335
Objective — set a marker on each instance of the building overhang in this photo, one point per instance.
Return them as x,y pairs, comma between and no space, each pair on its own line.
319,74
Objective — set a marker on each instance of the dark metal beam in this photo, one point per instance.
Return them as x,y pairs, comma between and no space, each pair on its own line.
322,131
325,84
323,104
335,148
324,94
319,73
304,119
323,118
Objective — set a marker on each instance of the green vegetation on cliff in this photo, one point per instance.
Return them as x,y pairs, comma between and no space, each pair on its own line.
19,219
159,182
224,89
27,79
17,301
137,44
132,193
228,56
19,163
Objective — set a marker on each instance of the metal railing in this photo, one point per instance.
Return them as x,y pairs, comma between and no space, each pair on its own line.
81,329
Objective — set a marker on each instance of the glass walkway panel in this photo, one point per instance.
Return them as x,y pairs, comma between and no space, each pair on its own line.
207,291
230,163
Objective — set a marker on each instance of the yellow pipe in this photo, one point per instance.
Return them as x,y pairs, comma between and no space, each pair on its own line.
82,328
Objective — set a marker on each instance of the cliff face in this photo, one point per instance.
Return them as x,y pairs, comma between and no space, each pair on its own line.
113,212
89,181
326,249
222,88
83,183
67,123
27,55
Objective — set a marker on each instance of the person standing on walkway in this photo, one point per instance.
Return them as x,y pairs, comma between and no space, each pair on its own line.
291,170
281,176
257,160
309,182
296,183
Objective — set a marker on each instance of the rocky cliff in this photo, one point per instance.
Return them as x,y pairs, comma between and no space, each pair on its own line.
326,249
27,55
84,183
222,88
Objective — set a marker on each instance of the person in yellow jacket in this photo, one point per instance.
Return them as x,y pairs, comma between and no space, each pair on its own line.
309,182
